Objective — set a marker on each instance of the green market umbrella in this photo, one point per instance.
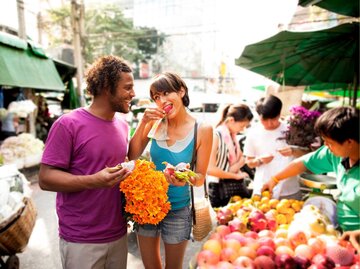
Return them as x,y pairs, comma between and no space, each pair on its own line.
307,58
347,7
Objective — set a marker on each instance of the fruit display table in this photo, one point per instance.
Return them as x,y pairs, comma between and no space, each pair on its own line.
267,233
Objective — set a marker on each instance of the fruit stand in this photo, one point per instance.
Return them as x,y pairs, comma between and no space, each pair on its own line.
262,232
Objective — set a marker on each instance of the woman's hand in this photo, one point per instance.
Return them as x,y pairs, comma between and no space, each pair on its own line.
266,159
173,180
241,175
152,114
286,151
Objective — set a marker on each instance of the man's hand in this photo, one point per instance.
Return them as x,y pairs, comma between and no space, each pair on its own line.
109,176
269,185
353,237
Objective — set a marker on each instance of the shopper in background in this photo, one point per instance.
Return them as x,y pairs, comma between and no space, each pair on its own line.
9,124
79,149
264,149
174,145
339,128
226,158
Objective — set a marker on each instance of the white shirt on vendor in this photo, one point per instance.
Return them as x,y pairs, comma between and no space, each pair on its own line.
261,142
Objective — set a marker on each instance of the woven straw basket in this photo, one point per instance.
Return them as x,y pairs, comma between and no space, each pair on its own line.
203,220
15,236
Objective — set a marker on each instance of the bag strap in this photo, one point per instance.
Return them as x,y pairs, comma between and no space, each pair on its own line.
192,166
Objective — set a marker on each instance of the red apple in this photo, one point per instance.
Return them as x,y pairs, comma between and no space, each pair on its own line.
223,230
266,233
284,250
266,241
247,251
244,262
213,245
284,261
297,238
252,234
323,261
228,254
304,251
266,251
231,243
264,262
216,236
207,257
280,241
238,236
224,265
340,255
317,245
301,262
355,266
252,243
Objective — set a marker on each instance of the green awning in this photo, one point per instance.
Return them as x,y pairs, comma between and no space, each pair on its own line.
24,65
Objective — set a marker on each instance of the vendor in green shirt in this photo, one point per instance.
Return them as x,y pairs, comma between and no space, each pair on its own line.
339,128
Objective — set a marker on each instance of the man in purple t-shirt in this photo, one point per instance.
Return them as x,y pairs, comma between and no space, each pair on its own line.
80,147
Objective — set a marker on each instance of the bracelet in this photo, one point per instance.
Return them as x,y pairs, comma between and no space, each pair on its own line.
275,180
259,161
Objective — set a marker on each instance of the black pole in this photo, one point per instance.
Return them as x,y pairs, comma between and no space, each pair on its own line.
356,85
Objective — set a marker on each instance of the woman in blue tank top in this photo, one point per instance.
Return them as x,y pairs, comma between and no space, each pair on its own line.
172,142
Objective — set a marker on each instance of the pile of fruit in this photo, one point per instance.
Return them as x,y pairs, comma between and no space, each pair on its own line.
251,235
258,213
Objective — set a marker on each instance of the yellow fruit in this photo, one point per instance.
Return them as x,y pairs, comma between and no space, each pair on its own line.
289,218
265,200
248,202
280,219
256,197
273,203
235,198
296,206
266,194
273,212
284,226
289,211
264,208
281,232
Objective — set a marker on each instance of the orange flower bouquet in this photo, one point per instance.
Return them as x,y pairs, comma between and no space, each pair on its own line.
145,190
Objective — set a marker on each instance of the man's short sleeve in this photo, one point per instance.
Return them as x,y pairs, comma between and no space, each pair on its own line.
319,161
58,146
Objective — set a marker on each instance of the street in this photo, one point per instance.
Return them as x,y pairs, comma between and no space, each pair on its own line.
42,250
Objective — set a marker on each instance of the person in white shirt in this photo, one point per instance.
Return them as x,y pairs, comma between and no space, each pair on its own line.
265,151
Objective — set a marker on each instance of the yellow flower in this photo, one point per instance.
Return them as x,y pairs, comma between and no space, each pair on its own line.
145,193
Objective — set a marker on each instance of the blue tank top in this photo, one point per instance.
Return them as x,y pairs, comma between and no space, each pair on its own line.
181,151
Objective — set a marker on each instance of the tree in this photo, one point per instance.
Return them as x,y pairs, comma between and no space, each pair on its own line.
107,31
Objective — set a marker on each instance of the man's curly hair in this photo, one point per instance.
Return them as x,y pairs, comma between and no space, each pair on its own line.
105,73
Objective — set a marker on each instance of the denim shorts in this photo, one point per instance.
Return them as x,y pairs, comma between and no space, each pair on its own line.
174,228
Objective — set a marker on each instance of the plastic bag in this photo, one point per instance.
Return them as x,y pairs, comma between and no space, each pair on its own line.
159,130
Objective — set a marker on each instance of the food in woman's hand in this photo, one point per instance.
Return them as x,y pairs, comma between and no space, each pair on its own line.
128,165
181,171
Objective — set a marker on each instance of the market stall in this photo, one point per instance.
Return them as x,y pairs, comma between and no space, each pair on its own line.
262,232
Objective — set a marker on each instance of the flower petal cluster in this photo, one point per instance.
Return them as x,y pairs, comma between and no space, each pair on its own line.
300,131
145,191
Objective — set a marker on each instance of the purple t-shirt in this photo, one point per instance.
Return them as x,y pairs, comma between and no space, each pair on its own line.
83,144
